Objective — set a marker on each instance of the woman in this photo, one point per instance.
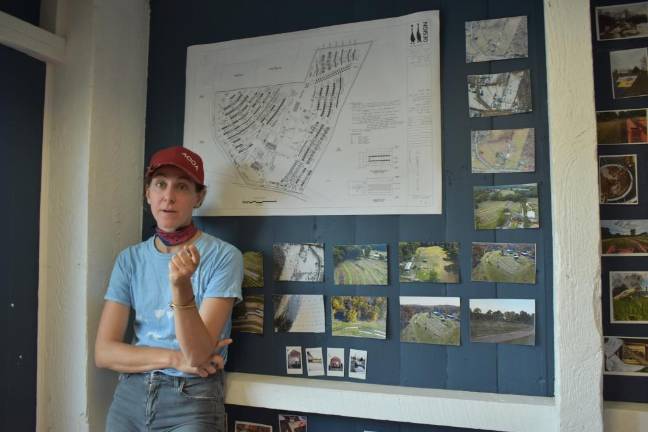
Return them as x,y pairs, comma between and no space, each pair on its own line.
181,284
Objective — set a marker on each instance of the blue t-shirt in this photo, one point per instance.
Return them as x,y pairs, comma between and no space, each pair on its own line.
140,280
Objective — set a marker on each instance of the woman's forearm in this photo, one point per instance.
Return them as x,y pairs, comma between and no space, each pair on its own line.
123,357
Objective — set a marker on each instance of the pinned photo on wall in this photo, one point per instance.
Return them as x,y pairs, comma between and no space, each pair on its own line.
624,237
294,360
510,321
360,264
252,269
302,262
506,206
618,180
335,362
314,362
622,127
431,320
629,297
429,262
293,423
503,150
504,262
358,316
247,316
357,364
298,313
499,94
623,21
244,426
629,69
497,39
626,355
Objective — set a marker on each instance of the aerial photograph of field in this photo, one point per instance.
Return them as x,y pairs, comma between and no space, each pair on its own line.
503,150
298,262
432,320
624,237
360,264
358,316
629,297
621,127
629,72
428,262
510,321
506,206
252,270
247,316
504,262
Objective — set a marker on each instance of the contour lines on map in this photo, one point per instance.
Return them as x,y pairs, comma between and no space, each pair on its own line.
497,39
499,94
503,150
275,135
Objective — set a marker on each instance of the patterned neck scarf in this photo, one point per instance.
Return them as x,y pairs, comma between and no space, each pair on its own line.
177,237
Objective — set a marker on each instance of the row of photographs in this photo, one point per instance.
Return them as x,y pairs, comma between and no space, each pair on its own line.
367,264
287,423
315,366
427,320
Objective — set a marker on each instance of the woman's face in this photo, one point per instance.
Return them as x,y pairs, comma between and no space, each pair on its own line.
172,197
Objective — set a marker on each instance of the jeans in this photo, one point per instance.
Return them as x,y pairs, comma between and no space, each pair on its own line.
153,401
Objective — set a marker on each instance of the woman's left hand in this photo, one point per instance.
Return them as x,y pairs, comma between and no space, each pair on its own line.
182,266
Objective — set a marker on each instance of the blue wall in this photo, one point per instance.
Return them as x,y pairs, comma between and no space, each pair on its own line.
471,366
22,84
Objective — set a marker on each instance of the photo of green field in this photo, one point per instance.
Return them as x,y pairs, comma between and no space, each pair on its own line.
360,264
624,237
431,320
629,297
504,262
428,262
503,150
510,321
247,316
506,206
621,127
358,316
252,270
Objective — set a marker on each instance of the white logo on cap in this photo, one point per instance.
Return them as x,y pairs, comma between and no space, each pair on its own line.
191,161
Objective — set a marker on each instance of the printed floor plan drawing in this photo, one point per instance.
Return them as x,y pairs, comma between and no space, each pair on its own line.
334,120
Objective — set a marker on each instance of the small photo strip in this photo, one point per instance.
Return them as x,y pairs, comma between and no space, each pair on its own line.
243,426
335,362
293,423
314,362
294,360
357,364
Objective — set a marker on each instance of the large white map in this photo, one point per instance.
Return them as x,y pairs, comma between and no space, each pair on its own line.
335,120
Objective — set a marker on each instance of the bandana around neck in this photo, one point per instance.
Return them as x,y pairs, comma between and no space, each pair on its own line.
177,237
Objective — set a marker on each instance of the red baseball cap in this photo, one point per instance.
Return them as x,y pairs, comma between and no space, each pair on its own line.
179,157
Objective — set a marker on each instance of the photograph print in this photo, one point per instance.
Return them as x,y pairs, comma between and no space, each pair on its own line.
624,237
294,360
510,321
293,423
335,362
360,264
429,262
314,362
252,269
431,320
506,206
503,150
629,70
622,127
629,297
243,426
626,355
618,180
303,262
499,94
247,315
504,262
298,313
357,316
496,39
623,21
357,364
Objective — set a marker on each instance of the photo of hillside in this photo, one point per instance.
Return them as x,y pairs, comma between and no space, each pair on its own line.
432,320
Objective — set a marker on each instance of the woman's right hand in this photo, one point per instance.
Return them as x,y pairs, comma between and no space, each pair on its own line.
213,364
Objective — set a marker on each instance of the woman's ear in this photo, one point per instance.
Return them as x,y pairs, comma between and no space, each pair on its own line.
146,194
201,198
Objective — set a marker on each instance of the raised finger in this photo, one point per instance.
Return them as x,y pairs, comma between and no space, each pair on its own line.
194,254
223,343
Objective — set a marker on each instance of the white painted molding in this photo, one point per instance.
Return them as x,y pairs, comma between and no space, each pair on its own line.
392,403
31,40
626,417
